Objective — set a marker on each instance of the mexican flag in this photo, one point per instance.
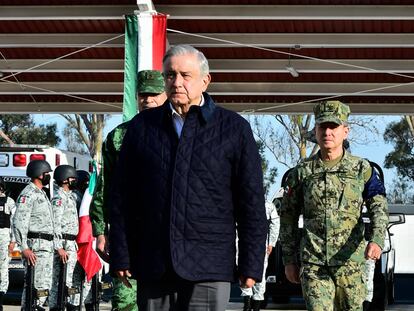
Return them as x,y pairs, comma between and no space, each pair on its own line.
87,256
145,45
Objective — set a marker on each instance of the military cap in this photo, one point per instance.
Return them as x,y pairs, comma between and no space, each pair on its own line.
150,81
331,111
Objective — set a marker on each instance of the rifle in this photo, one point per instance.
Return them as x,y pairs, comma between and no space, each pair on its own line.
30,301
61,299
63,290
97,289
32,294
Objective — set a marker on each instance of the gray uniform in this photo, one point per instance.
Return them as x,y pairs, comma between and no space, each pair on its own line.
259,288
6,236
33,217
66,229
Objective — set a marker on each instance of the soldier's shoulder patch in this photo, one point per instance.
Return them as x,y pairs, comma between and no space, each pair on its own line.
22,199
57,202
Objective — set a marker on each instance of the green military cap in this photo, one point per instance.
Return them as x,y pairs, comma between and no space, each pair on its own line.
331,111
150,81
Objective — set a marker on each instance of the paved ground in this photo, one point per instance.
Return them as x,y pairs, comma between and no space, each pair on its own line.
238,306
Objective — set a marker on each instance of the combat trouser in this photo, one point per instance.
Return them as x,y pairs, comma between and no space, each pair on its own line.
339,288
124,298
42,274
4,259
71,263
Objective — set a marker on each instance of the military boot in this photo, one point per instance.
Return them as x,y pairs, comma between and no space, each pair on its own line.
247,301
256,304
89,307
1,300
366,305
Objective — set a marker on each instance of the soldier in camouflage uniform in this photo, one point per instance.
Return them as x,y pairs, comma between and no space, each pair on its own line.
66,229
255,295
150,94
34,227
329,189
7,240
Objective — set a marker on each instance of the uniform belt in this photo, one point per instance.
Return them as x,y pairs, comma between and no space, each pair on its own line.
40,235
67,236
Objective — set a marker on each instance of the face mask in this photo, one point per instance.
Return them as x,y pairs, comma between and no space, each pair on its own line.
72,184
45,180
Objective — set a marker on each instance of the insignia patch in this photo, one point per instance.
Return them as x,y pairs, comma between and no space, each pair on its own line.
57,202
22,199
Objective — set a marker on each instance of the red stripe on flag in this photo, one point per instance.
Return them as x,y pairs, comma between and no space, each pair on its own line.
159,31
87,256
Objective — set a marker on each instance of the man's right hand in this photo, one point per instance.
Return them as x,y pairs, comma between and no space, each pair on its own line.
102,247
292,273
123,276
30,256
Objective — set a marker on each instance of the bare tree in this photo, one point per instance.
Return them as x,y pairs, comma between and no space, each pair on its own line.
89,129
287,137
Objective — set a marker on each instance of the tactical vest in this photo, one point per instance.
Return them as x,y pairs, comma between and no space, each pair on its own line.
4,217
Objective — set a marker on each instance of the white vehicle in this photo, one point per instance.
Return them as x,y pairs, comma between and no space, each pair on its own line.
14,161
13,164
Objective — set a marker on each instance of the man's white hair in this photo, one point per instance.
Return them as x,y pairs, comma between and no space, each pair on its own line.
183,49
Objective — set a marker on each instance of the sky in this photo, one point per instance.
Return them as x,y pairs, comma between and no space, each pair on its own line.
375,150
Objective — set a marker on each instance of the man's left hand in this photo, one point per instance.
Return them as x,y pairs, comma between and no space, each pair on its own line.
269,249
373,251
246,282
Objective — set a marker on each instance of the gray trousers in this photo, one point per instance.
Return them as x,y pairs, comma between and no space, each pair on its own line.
181,295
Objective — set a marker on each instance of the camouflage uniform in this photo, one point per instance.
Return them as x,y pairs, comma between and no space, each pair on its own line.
149,81
259,288
7,208
34,215
66,229
330,195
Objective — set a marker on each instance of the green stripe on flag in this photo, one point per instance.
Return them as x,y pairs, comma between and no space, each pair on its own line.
129,109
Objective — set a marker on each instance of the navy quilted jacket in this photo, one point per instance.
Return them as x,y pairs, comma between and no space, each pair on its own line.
176,201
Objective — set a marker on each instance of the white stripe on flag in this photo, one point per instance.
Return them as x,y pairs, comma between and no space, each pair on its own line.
145,44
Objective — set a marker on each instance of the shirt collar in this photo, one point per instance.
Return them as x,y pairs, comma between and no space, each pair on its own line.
175,113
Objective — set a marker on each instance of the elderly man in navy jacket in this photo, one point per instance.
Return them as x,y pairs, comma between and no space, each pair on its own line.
189,175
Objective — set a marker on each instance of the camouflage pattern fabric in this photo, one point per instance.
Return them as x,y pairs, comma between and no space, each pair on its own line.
34,214
78,277
330,200
6,236
259,288
369,279
99,211
329,288
150,81
66,222
331,111
123,298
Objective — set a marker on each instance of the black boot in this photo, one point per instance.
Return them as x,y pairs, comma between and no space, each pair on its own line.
256,305
247,301
366,305
89,307
1,300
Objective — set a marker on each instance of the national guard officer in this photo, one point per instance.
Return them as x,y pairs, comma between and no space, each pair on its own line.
254,296
34,227
329,190
150,94
66,229
7,240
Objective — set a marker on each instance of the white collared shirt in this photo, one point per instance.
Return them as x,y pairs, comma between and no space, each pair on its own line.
178,120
